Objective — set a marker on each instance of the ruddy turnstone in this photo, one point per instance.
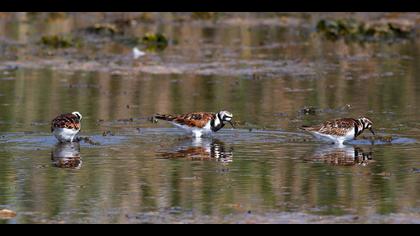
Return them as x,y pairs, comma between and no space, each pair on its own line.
199,123
340,130
65,127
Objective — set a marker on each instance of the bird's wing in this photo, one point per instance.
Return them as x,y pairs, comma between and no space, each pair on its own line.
68,121
337,127
196,119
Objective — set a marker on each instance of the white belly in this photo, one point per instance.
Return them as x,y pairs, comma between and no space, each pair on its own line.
334,138
197,132
65,135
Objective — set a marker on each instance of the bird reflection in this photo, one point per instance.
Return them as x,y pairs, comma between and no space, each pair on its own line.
201,149
342,155
66,155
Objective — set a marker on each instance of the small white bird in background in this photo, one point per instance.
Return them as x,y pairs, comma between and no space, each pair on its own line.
137,53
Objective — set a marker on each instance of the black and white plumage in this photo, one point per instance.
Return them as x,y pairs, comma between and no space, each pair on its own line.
65,127
199,123
340,130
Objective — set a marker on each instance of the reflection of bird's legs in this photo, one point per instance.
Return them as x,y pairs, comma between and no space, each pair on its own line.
197,134
197,141
341,145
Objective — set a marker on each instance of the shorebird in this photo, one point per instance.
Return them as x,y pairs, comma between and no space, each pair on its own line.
340,130
65,127
199,123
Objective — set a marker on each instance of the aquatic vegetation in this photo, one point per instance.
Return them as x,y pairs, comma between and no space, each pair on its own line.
350,29
155,41
58,41
154,38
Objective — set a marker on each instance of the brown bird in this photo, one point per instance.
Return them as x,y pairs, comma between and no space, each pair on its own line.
199,123
66,126
340,130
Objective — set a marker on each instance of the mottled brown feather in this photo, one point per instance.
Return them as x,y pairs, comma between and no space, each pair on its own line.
338,127
195,119
68,121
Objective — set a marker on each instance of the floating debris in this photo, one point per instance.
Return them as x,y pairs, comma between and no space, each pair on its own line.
384,174
308,111
7,214
88,140
107,133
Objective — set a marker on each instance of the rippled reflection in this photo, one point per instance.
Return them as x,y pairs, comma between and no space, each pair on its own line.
66,155
342,155
201,149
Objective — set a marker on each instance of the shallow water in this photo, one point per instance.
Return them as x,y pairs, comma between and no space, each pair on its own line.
264,69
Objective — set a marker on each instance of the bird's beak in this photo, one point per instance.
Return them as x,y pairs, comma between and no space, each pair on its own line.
371,130
230,122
